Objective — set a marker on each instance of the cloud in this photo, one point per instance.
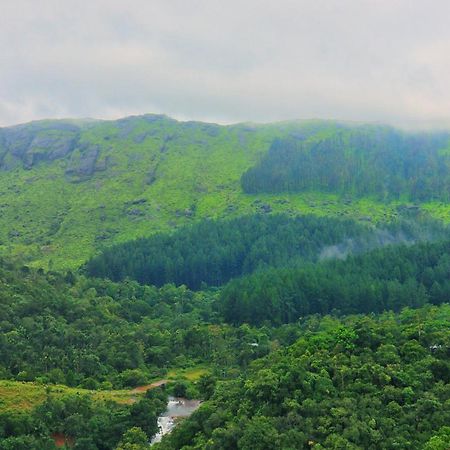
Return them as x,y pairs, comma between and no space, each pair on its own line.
260,60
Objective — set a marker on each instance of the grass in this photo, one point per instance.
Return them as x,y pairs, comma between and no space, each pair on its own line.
190,374
50,221
22,395
18,395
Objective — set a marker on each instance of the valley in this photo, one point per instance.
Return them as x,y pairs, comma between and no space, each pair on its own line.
294,277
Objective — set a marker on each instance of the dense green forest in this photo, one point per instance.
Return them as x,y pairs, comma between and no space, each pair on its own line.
383,279
83,331
357,161
98,334
293,276
214,251
363,382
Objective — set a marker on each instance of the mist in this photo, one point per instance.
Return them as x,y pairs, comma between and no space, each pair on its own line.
384,61
404,231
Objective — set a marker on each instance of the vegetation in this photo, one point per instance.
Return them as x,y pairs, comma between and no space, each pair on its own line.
79,422
213,252
357,161
97,334
279,272
360,382
69,189
19,396
384,279
111,181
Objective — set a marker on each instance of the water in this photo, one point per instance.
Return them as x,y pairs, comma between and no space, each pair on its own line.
176,408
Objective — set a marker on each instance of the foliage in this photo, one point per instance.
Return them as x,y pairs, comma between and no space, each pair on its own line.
389,389
147,174
82,423
92,333
212,252
357,161
134,439
295,377
71,188
384,279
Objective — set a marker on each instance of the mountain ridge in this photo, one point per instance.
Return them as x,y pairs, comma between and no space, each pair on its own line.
69,189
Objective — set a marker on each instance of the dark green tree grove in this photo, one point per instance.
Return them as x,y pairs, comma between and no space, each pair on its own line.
357,161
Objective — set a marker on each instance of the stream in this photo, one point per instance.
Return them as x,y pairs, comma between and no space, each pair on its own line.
177,408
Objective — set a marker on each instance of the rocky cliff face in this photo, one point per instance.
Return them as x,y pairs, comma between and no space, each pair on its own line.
30,144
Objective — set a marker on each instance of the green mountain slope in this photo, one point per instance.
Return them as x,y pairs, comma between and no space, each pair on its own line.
70,188
359,161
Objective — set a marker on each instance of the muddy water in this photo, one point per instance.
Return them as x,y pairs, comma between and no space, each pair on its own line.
176,408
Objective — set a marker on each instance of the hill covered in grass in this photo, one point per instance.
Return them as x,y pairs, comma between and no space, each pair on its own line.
69,189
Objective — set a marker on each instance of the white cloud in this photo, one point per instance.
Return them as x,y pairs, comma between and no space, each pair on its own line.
261,60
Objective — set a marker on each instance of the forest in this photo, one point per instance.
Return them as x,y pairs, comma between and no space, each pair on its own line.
290,351
298,289
381,162
82,423
383,279
360,382
211,252
96,334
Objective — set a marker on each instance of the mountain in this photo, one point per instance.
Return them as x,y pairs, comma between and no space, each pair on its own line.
254,267
70,188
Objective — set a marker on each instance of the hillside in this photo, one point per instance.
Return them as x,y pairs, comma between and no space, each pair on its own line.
281,273
375,161
71,188
212,252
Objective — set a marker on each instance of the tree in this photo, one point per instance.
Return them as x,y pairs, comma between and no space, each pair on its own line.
134,439
259,434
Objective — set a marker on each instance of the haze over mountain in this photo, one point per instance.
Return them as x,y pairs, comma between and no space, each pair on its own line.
226,61
260,263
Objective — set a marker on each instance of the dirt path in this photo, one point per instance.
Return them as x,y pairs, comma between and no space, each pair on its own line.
147,387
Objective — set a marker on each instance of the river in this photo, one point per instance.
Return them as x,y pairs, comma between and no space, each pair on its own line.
177,408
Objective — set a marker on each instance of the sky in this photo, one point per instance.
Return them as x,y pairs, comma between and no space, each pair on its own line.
226,61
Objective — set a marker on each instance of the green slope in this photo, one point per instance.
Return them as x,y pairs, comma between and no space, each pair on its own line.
70,188
357,161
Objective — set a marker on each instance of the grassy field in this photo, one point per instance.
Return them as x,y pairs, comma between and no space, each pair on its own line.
18,395
21,395
190,374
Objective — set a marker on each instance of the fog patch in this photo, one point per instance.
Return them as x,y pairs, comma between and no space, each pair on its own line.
411,233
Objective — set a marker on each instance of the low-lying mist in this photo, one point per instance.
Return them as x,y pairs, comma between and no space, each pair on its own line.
405,232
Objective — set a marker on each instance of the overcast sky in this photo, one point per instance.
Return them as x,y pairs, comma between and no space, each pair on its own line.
226,60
